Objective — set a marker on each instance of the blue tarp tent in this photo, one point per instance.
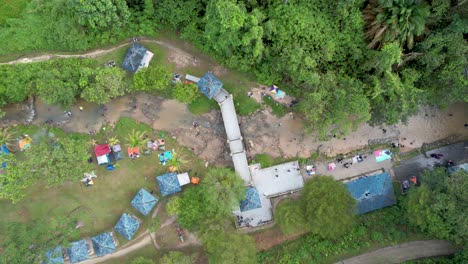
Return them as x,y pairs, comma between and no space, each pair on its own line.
209,85
134,57
381,155
127,226
103,244
78,251
55,256
251,201
144,201
168,183
372,192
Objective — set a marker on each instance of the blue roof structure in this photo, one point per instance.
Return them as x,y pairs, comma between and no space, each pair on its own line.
209,85
103,244
168,183
127,226
54,256
134,57
372,192
78,251
251,201
144,201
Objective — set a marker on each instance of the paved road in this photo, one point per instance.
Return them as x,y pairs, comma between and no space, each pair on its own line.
415,166
404,252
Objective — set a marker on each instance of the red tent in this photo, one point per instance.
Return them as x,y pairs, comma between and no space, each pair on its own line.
101,150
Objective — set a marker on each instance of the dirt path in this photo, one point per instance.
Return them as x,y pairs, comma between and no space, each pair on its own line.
404,252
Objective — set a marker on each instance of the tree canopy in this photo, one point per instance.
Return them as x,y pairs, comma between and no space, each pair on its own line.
328,207
214,199
438,206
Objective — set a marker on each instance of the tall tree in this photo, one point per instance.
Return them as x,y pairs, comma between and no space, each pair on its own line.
290,217
328,207
400,20
214,199
439,206
109,83
100,16
175,257
154,78
229,248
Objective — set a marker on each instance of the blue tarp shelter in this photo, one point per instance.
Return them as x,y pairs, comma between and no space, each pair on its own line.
372,192
135,58
144,201
251,201
103,244
457,168
127,226
55,256
168,183
209,85
78,251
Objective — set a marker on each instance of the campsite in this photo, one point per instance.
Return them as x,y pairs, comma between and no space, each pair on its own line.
209,141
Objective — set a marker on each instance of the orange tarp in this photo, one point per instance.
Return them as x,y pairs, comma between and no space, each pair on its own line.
134,150
195,180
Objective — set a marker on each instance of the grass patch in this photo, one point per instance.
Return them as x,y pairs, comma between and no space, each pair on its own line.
246,105
278,109
202,105
125,125
12,8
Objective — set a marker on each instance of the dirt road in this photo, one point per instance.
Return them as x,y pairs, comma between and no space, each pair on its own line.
404,252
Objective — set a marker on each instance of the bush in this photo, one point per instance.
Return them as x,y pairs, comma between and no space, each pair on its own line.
185,93
264,159
202,105
173,205
290,217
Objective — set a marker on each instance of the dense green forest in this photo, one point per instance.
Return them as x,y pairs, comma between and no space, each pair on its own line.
349,61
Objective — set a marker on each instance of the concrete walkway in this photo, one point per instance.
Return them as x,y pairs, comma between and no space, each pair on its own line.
404,252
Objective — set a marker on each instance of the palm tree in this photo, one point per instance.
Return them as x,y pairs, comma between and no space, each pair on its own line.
113,141
7,137
178,161
92,142
395,20
136,138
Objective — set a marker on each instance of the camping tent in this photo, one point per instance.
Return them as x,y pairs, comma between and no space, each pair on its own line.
102,153
183,178
78,251
144,201
372,192
54,256
137,57
103,244
127,226
251,201
209,85
117,151
168,183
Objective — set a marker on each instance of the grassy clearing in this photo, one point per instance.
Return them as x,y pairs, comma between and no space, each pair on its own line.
202,105
12,8
101,205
